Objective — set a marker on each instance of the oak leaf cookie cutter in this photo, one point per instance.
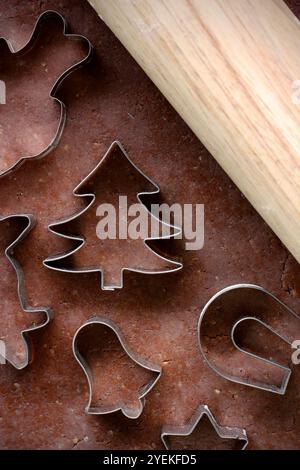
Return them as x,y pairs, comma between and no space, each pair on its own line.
224,432
132,413
30,43
262,297
9,252
76,192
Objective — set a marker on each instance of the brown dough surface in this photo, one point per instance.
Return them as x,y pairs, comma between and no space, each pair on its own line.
43,406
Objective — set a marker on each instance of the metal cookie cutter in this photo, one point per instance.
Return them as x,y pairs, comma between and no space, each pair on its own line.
228,309
119,406
47,313
223,432
24,50
51,261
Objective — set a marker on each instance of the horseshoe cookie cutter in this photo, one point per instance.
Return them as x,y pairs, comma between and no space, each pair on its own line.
203,410
62,120
228,309
132,413
47,313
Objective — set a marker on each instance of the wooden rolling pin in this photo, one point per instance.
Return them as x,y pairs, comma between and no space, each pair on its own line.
230,69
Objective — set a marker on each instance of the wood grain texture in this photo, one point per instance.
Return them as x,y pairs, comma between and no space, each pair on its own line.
228,68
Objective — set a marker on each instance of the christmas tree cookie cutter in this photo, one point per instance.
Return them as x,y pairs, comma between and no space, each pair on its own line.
51,262
240,299
28,46
48,314
223,432
132,413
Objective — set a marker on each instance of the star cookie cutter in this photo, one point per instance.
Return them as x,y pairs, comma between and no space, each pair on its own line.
235,302
132,413
62,120
9,251
51,260
224,432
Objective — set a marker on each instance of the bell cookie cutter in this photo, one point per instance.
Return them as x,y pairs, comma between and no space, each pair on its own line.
51,260
62,120
238,299
132,413
186,430
9,251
